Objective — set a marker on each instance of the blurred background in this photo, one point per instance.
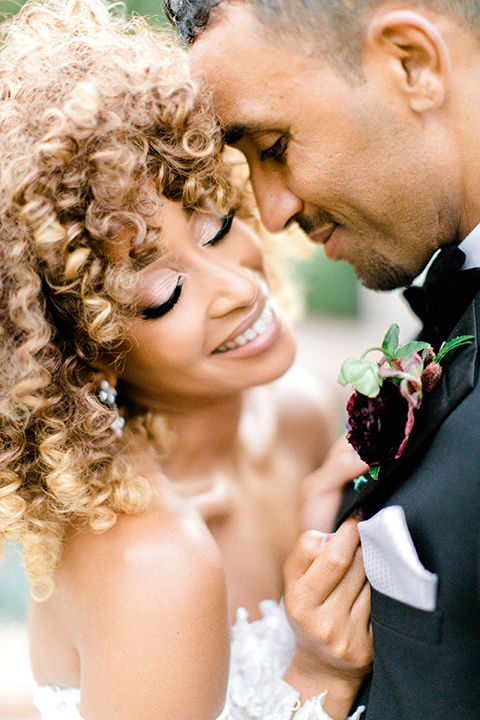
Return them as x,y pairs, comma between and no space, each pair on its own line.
340,319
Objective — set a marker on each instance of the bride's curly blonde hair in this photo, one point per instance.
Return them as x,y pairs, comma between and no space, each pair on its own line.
97,119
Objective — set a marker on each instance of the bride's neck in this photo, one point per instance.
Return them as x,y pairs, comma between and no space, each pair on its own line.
206,435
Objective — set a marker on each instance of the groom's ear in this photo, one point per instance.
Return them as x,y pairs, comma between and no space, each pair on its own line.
412,56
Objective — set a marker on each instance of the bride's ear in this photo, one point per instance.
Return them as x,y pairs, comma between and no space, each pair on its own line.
103,371
412,55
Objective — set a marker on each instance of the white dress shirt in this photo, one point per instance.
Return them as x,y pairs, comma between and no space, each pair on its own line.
471,247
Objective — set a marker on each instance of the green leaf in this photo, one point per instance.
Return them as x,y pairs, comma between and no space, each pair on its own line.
412,347
362,374
390,341
374,471
452,344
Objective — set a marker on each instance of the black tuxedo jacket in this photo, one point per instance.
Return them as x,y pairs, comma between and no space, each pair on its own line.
427,664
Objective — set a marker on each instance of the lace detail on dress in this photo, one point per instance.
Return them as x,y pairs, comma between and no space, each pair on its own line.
260,654
58,703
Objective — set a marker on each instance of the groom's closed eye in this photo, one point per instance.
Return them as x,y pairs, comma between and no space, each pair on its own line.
275,152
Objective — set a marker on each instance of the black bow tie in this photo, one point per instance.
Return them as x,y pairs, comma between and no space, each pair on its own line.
445,295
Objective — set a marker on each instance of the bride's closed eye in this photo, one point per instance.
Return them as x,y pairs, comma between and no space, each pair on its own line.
226,223
158,310
154,312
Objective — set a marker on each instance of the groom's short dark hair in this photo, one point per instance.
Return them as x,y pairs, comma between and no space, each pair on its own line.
337,25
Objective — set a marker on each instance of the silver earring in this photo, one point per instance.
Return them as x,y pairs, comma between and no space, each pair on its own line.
108,395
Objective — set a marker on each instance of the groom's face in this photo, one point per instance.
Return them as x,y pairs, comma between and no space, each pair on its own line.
339,157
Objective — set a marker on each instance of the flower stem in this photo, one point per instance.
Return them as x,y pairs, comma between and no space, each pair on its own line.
385,354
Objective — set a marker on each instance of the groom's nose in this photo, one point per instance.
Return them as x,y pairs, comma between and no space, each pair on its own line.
277,204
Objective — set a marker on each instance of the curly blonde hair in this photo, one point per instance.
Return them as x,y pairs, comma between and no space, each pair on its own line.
98,118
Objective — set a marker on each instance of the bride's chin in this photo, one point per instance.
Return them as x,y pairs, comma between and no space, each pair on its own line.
278,359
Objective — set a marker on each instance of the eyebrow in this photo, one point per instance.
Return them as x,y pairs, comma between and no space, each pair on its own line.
234,132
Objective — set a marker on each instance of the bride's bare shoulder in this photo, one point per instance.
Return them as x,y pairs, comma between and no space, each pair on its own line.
152,541
157,560
145,605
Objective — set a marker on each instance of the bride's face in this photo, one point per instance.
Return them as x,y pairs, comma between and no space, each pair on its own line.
207,325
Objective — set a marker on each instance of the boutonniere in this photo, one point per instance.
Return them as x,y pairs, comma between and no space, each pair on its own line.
388,392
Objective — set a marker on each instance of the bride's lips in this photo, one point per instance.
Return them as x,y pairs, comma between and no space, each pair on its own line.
323,236
255,334
248,321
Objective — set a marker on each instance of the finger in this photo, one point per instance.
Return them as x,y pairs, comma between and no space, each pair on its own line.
341,445
346,593
361,608
306,549
361,620
335,472
318,512
331,565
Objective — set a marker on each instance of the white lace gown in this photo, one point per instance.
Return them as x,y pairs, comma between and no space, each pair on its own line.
260,653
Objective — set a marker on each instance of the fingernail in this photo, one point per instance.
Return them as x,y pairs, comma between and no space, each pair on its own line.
327,539
313,540
359,514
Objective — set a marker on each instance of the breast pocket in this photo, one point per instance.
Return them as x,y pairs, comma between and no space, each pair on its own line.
391,561
389,614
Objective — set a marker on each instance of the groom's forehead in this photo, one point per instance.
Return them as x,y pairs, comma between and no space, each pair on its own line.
247,74
228,49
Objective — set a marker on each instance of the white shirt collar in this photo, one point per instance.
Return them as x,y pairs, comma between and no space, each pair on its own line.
471,247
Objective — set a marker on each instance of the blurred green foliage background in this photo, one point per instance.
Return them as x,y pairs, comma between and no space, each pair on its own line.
13,585
329,288
151,9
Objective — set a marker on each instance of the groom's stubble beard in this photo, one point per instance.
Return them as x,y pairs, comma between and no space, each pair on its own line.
378,273
374,270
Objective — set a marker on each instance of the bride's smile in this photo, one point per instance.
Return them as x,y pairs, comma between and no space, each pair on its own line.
255,327
207,325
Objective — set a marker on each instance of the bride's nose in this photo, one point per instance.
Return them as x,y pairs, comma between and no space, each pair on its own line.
233,288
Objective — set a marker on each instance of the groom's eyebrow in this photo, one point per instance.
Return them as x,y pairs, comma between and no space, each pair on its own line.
234,132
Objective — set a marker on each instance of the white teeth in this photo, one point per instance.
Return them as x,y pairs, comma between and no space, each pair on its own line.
258,328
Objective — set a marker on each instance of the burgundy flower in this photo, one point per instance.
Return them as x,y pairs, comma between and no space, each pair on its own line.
381,412
378,427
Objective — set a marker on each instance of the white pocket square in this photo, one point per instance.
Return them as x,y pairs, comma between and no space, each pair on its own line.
391,561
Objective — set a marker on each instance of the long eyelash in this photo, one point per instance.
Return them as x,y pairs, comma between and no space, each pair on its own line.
276,151
227,221
157,311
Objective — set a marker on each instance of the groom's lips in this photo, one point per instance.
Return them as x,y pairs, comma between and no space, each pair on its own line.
322,237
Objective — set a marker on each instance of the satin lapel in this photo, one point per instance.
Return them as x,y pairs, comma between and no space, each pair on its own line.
458,379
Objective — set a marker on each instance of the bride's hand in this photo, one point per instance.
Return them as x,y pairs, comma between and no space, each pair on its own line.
321,490
327,601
